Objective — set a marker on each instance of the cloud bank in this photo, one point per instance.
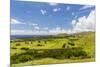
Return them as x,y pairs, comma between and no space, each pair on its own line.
14,21
84,23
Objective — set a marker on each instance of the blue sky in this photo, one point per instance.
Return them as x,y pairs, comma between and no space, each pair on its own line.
42,18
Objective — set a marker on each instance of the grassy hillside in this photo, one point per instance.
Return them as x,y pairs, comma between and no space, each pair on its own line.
87,41
63,48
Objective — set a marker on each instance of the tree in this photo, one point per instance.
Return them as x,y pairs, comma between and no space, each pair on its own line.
64,45
18,44
71,43
39,45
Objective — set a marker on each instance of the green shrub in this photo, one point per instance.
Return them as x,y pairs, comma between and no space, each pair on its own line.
13,48
64,45
24,48
71,43
25,58
20,59
39,45
18,44
51,53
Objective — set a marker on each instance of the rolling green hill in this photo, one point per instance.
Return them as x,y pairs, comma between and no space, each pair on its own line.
76,47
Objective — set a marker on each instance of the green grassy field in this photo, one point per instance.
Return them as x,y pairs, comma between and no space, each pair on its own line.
61,48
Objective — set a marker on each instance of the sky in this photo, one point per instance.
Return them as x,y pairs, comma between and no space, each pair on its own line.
44,18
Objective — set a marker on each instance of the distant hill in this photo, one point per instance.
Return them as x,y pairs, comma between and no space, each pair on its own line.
62,34
84,33
87,41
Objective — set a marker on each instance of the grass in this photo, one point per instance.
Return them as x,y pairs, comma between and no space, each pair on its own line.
52,61
84,40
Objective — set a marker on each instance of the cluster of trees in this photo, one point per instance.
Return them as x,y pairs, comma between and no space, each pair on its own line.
51,53
24,48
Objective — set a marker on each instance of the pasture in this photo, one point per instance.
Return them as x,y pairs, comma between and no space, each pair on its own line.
62,48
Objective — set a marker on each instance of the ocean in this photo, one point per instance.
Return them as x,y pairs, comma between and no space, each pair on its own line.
20,36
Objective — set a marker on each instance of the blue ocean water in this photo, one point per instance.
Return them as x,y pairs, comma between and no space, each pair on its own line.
20,36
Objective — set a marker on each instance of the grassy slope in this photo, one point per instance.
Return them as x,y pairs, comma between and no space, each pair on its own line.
54,43
52,61
86,40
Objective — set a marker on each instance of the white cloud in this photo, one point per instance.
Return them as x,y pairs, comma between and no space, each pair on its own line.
67,8
14,31
50,3
54,31
53,4
22,32
57,30
28,32
45,28
14,21
84,23
86,7
73,13
56,9
73,22
43,11
33,24
36,27
17,32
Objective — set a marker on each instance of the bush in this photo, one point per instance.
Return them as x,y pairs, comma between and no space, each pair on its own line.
13,47
64,45
39,41
20,59
25,58
18,44
39,45
51,53
24,48
71,43
45,42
